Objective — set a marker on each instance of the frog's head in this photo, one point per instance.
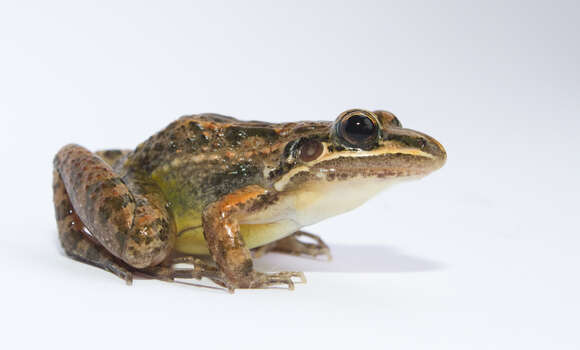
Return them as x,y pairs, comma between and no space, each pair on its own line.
355,157
359,145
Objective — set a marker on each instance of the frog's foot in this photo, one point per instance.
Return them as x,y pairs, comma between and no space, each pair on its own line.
169,271
292,245
270,279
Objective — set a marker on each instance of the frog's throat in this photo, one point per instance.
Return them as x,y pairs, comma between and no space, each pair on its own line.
317,202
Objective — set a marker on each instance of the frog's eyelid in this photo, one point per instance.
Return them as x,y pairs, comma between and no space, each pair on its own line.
396,122
388,118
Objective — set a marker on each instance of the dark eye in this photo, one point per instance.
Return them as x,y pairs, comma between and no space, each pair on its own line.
310,150
358,130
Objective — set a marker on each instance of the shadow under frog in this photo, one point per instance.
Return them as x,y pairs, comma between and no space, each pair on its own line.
352,259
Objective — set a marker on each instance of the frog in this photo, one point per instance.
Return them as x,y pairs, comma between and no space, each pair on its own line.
209,193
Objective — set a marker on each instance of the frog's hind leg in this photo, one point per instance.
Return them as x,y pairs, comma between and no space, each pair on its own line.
294,246
127,216
76,243
79,245
197,268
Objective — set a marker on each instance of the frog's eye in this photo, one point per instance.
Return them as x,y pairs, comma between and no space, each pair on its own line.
310,150
358,129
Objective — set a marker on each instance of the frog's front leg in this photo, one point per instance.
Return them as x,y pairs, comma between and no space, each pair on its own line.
127,218
293,245
221,229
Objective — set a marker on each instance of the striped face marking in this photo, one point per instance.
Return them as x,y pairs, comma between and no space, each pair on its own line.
376,161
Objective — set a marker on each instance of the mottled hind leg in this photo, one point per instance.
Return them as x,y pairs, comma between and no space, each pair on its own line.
76,243
126,215
294,246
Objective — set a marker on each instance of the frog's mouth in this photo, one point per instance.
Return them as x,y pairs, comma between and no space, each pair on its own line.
388,165
380,167
401,154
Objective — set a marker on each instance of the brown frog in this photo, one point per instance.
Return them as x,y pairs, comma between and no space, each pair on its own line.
216,187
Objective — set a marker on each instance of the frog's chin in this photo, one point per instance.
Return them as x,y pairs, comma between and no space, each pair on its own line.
314,203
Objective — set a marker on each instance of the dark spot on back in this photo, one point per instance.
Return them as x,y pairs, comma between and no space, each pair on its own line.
193,126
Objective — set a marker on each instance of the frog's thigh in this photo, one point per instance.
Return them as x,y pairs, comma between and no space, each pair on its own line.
132,224
75,242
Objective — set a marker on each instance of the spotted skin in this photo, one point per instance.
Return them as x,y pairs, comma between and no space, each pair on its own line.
76,243
227,154
132,224
212,184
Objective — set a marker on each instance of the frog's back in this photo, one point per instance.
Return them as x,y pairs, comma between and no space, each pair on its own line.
188,136
199,158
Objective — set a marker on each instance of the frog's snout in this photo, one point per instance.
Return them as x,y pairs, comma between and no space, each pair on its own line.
411,139
436,149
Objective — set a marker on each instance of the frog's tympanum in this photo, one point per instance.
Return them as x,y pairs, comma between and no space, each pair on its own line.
211,192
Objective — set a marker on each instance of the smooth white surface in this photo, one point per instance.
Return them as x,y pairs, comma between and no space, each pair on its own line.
483,254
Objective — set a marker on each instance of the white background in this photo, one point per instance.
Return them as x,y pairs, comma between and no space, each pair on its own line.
483,254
